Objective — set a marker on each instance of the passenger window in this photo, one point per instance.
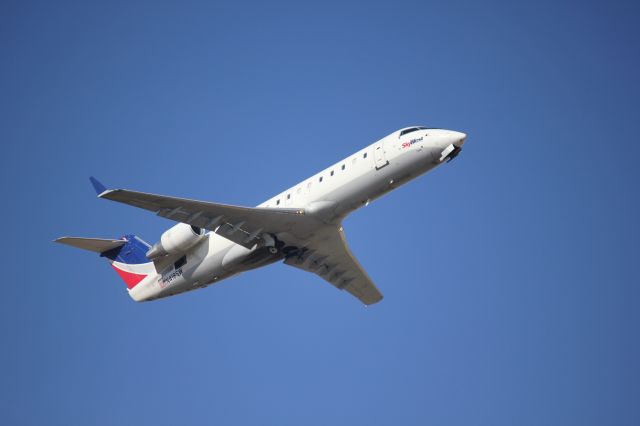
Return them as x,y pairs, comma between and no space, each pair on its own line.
365,155
320,180
343,167
331,172
288,196
278,202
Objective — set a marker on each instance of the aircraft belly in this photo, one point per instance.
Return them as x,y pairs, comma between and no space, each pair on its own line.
362,189
371,186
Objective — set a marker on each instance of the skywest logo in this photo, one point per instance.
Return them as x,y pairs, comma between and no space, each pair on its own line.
411,142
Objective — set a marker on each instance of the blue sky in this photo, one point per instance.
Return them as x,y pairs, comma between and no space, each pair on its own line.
509,275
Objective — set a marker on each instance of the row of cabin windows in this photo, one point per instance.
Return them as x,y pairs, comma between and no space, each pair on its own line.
321,178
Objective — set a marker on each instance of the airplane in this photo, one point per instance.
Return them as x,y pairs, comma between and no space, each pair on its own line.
301,226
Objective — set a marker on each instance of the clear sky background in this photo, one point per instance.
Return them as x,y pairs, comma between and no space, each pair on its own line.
510,275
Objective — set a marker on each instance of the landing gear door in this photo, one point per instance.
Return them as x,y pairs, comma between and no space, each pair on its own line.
379,156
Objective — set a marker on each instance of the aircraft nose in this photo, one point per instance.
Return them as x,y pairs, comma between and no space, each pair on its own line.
450,145
458,138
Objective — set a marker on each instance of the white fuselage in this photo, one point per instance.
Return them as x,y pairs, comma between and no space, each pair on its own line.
330,195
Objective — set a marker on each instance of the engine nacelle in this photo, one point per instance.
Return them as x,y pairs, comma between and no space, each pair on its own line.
176,240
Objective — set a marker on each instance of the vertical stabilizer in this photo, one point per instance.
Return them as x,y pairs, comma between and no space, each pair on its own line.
130,260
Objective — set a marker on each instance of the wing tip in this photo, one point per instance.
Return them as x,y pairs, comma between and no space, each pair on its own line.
97,185
373,301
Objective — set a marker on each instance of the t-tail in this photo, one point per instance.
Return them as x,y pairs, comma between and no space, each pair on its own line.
126,255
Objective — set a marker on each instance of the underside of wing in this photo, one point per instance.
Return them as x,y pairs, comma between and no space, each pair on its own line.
327,255
242,225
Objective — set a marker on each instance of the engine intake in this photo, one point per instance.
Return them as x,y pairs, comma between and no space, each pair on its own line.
176,240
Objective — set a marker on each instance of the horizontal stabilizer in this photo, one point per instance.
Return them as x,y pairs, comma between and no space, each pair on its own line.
99,245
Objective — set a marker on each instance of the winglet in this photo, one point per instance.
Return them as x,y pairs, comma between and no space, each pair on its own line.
99,187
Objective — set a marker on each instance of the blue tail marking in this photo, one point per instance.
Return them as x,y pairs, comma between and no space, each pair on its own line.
133,252
99,187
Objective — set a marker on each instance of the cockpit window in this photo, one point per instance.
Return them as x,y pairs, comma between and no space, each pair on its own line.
413,129
405,131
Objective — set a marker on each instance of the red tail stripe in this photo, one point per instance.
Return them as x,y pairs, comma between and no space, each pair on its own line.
130,279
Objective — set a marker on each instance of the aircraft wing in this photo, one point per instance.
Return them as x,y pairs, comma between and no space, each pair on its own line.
242,225
327,255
